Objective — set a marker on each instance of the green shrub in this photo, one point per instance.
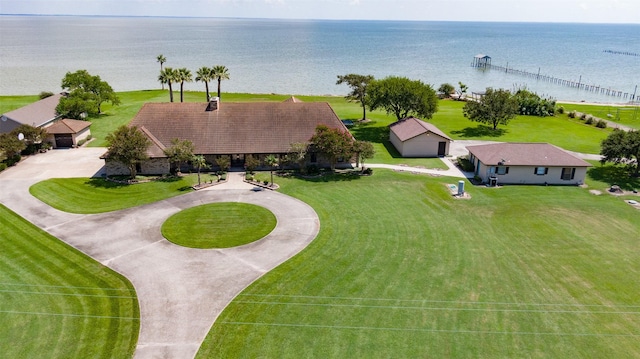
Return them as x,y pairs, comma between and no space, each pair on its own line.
572,114
589,120
601,124
3,166
368,171
465,164
45,94
560,109
583,117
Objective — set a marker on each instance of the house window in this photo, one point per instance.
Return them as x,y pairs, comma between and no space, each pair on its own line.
541,171
568,173
502,170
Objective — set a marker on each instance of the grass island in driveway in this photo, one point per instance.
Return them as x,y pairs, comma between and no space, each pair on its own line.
218,225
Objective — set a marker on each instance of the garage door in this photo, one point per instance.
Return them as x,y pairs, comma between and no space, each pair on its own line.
64,141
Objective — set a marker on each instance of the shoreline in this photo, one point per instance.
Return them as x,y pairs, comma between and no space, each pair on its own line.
570,102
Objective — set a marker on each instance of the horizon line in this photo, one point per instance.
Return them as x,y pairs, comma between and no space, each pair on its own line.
316,19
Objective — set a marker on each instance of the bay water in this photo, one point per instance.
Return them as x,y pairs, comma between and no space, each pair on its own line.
305,56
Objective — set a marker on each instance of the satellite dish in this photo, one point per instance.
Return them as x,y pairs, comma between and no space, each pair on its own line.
21,136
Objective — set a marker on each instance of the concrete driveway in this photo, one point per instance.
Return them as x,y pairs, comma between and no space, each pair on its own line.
181,290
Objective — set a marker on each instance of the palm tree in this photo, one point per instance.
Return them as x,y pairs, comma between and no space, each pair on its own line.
168,76
220,72
161,59
272,161
199,163
205,75
183,75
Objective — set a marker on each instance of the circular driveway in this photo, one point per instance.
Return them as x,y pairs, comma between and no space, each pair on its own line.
181,290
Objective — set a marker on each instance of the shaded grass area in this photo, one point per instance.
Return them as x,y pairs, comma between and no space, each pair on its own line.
402,269
603,176
96,195
56,302
219,225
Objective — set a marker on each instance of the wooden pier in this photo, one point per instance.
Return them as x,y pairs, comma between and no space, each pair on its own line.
483,62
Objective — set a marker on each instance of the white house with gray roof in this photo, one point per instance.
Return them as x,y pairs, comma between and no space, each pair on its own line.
526,163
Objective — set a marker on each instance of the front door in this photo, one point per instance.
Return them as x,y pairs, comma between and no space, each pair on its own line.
237,160
442,149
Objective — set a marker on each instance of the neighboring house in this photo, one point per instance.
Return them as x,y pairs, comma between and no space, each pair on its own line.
526,163
67,132
416,138
235,130
41,113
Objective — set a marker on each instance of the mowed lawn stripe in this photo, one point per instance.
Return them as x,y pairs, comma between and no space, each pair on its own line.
57,302
402,237
95,195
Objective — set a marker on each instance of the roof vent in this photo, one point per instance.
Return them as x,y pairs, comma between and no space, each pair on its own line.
214,103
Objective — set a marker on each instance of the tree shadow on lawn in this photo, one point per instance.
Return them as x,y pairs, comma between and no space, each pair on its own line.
480,131
103,183
615,175
332,177
368,132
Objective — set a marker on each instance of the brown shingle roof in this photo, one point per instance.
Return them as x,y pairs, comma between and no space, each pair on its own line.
36,114
67,126
525,154
412,127
248,127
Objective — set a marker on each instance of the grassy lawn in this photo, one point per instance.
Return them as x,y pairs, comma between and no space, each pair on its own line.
56,302
219,225
626,115
95,195
401,269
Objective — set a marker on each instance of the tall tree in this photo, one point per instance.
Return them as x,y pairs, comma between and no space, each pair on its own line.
363,151
183,75
358,85
83,82
180,151
622,147
205,74
128,145
161,59
496,107
250,163
333,143
272,162
220,72
168,76
446,89
403,97
199,162
76,105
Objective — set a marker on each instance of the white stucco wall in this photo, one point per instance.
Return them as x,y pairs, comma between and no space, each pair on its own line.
425,145
526,175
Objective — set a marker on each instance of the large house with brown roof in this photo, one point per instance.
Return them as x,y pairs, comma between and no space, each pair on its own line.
526,163
416,138
229,129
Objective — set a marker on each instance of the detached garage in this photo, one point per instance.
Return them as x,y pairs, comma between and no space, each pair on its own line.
67,132
416,138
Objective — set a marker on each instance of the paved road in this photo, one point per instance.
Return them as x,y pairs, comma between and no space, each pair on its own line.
181,290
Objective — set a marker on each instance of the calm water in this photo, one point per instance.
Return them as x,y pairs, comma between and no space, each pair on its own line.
304,57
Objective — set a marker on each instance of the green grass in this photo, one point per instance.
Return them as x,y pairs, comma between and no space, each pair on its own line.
96,195
401,269
625,115
56,302
219,225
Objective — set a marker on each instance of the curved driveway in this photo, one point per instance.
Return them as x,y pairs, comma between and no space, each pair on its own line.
181,290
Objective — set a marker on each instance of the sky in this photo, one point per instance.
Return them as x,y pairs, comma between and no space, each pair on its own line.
585,11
